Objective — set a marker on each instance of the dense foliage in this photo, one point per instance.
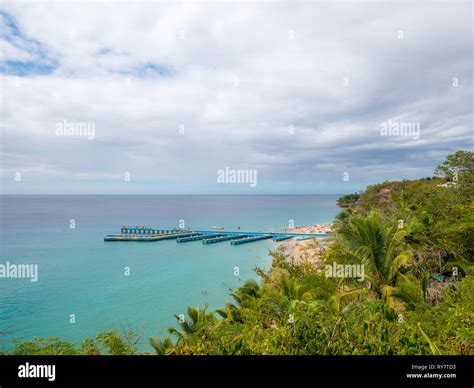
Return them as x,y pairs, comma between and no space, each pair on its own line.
415,241
348,200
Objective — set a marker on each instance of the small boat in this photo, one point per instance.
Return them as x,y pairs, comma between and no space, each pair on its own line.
218,227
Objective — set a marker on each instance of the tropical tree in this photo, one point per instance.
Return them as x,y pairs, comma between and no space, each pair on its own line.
245,295
230,313
340,301
162,347
191,329
292,290
457,165
380,249
411,290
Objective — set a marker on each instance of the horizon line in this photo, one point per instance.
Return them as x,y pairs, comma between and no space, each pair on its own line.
308,194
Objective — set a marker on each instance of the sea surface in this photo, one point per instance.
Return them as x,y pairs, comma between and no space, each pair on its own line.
80,274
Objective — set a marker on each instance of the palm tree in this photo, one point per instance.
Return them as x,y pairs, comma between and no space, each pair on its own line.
250,288
230,313
365,240
191,328
162,347
292,290
339,302
247,293
411,290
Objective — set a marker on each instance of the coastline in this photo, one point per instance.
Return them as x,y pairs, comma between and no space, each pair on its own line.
308,250
156,267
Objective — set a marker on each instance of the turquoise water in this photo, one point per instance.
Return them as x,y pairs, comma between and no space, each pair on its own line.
81,274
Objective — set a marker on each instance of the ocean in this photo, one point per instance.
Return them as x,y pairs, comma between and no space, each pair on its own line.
131,285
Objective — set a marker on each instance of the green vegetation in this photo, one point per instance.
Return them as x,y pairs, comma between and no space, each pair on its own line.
415,241
348,200
112,343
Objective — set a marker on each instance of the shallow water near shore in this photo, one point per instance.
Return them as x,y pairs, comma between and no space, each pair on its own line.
80,274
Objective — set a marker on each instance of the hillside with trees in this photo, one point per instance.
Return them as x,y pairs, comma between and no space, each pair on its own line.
415,240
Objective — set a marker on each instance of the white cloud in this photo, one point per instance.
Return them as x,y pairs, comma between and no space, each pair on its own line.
242,74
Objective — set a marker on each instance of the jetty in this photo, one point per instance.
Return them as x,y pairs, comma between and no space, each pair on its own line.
250,239
150,237
223,238
145,230
283,237
147,234
197,236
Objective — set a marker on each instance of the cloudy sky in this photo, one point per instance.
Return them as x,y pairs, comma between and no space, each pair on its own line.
172,93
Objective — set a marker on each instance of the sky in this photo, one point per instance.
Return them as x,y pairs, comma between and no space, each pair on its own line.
285,97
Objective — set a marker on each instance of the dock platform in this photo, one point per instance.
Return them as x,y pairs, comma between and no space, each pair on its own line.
223,238
139,234
154,237
281,238
197,237
250,239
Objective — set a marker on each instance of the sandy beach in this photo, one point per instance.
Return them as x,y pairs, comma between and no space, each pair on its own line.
306,250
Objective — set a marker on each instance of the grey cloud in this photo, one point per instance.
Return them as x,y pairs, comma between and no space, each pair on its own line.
237,81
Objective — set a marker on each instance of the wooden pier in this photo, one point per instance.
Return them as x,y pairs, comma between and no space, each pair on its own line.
154,237
250,239
198,236
145,234
281,238
144,230
223,238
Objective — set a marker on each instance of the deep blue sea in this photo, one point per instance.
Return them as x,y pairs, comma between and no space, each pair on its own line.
81,274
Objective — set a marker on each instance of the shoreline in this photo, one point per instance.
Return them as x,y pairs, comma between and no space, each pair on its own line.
310,250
